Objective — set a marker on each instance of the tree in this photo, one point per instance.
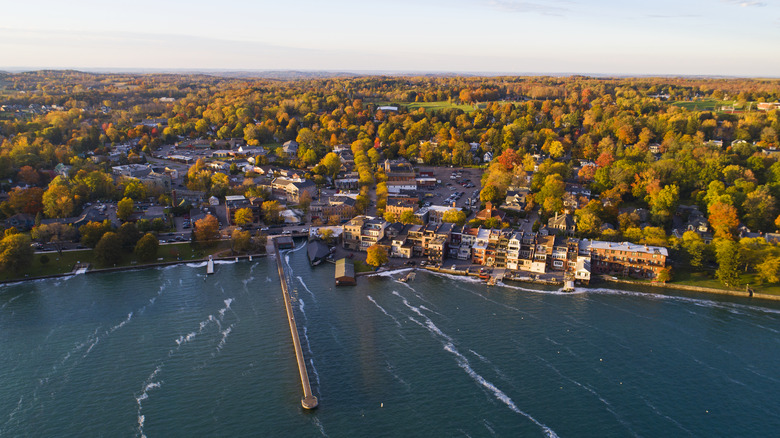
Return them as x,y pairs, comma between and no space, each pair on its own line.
760,207
695,248
92,232
664,204
129,234
376,255
135,190
206,229
664,274
727,256
326,234
29,201
125,208
769,270
56,233
723,219
108,250
408,217
146,248
15,252
271,212
454,216
304,201
58,201
241,241
243,217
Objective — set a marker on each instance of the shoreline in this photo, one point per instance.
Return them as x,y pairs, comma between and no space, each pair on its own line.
130,268
671,287
463,273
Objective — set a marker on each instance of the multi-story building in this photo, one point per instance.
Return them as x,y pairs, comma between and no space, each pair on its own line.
627,258
400,176
362,232
292,189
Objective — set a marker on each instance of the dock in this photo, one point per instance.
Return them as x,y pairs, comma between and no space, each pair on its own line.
210,266
308,401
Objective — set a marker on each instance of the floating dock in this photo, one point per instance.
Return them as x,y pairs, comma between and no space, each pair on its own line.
308,401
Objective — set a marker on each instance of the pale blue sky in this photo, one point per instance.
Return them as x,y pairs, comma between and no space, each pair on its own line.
708,37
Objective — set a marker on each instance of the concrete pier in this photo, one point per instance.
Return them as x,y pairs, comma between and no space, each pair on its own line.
308,401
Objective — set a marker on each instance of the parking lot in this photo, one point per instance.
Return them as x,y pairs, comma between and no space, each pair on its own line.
458,185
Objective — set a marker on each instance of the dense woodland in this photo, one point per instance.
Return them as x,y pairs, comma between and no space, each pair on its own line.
715,150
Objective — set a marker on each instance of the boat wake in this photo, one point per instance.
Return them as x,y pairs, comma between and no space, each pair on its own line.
449,345
383,310
307,288
148,385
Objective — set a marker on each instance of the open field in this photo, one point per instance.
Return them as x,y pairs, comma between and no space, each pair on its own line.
441,105
710,105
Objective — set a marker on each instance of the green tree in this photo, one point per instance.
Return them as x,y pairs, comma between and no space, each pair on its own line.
56,233
332,163
16,254
146,248
695,248
125,208
129,234
408,217
241,241
108,250
376,255
769,270
92,232
243,217
664,204
454,216
727,256
135,189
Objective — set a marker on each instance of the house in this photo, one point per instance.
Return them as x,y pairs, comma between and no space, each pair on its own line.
290,148
345,273
292,188
21,221
515,200
564,223
234,203
363,231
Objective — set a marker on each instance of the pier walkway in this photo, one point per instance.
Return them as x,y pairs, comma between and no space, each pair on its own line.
308,401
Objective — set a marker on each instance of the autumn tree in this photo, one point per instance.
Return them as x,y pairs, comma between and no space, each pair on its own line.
29,201
206,229
271,212
146,248
376,255
15,252
243,217
58,201
332,163
723,219
769,270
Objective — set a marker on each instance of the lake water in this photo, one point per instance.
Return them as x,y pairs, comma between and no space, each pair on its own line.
170,352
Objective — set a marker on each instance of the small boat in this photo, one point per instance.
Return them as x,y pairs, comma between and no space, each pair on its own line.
210,266
409,277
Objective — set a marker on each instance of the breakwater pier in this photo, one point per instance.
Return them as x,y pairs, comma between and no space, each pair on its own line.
308,401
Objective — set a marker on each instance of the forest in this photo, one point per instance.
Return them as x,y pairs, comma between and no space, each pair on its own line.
645,143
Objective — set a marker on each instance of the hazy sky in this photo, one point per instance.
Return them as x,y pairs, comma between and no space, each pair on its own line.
709,37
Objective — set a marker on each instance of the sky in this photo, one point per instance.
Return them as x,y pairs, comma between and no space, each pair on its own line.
603,37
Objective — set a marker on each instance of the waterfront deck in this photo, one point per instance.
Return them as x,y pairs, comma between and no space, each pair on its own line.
308,401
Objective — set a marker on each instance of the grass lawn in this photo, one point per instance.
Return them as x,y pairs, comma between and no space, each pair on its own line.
707,279
361,266
63,264
707,104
